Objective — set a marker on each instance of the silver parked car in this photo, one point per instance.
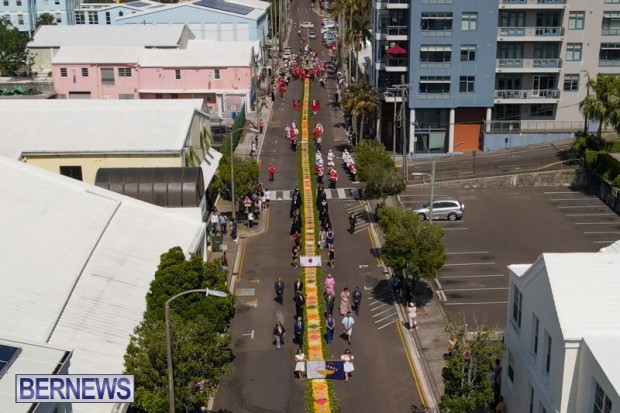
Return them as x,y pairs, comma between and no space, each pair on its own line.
443,208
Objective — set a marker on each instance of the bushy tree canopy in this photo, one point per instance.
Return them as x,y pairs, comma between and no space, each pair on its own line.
246,173
13,53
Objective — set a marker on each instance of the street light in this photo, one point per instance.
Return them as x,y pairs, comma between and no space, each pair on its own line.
207,292
232,168
385,95
432,176
585,126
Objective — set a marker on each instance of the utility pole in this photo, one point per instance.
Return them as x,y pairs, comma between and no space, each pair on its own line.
402,93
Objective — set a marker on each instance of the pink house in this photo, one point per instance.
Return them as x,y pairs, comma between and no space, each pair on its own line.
220,72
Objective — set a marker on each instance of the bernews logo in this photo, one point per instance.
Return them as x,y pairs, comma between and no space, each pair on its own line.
74,388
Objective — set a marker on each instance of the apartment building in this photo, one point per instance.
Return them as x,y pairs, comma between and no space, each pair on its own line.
23,14
493,73
562,334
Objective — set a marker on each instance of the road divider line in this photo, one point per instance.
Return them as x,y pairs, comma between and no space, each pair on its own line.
574,199
588,215
582,206
468,263
481,303
474,289
450,277
467,252
596,223
602,232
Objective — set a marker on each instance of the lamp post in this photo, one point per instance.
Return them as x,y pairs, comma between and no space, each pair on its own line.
232,168
385,95
207,292
585,126
432,176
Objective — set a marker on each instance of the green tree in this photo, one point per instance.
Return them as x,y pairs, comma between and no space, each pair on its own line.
604,104
13,53
411,246
369,153
356,37
362,101
382,183
465,376
45,19
246,173
200,356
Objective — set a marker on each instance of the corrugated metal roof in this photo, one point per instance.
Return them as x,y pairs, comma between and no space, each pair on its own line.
605,351
100,54
255,14
615,247
77,263
586,292
160,35
95,126
203,53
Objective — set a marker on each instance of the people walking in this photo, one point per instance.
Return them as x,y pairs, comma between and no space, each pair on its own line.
412,315
267,197
330,325
295,256
300,302
300,364
298,330
347,357
272,172
332,256
330,284
298,285
357,300
214,222
330,299
345,303
222,221
233,229
330,237
278,334
251,219
261,125
279,287
352,222
347,323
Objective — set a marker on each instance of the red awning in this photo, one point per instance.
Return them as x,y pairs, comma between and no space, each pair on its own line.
395,50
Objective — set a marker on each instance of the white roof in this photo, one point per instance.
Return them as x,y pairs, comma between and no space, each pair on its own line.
209,165
615,247
257,4
77,263
100,54
594,313
203,53
95,126
134,5
605,351
255,14
35,358
161,35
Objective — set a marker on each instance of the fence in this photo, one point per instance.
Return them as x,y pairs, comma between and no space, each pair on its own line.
603,190
236,133
37,87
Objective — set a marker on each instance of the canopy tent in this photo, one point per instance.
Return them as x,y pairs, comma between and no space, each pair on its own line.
396,50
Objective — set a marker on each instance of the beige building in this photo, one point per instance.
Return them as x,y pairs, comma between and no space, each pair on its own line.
77,137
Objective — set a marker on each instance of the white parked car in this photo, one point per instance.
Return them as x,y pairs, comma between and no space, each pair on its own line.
306,25
287,54
326,30
330,25
312,35
325,21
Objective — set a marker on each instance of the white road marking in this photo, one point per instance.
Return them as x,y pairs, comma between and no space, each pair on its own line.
475,289
385,311
550,193
385,318
574,199
382,305
391,322
594,223
470,276
363,266
480,303
601,232
454,229
469,263
250,334
341,193
588,215
581,206
603,242
467,252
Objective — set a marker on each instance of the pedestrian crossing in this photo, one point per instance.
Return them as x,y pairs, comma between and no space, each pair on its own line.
337,193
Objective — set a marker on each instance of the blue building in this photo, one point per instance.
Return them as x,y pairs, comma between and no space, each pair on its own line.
23,14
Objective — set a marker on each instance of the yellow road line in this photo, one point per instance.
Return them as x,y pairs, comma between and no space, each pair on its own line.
414,371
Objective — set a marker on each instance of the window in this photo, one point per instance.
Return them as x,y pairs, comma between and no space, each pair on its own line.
541,111
573,51
466,84
84,72
602,404
531,399
58,18
74,172
434,84
63,72
468,53
436,23
177,74
159,96
120,14
18,2
20,19
5,2
548,345
571,82
611,23
216,74
511,370
517,302
576,20
57,2
535,327
93,18
125,96
174,96
612,1
435,56
79,17
7,18
108,19
107,76
124,72
609,54
469,21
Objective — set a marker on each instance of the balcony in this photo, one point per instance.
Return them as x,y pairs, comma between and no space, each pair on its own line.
608,62
530,96
394,33
392,64
528,65
532,4
392,4
537,34
390,94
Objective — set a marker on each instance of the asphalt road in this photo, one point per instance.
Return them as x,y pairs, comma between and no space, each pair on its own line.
262,377
503,226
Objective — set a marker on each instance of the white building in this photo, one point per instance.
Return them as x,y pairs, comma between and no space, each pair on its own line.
563,334
77,263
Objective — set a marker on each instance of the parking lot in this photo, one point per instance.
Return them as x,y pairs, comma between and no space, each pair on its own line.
503,226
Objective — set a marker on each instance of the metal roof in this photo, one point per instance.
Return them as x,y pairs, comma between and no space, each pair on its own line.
258,11
150,35
203,53
605,351
100,54
78,261
225,6
96,125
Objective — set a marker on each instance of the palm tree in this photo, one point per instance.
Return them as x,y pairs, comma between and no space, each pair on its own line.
604,104
356,36
362,101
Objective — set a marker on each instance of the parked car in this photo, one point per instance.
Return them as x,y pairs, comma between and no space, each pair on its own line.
306,25
330,25
311,35
443,208
328,30
287,54
326,21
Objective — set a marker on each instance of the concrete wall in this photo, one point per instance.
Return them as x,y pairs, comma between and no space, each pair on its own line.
492,141
554,178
